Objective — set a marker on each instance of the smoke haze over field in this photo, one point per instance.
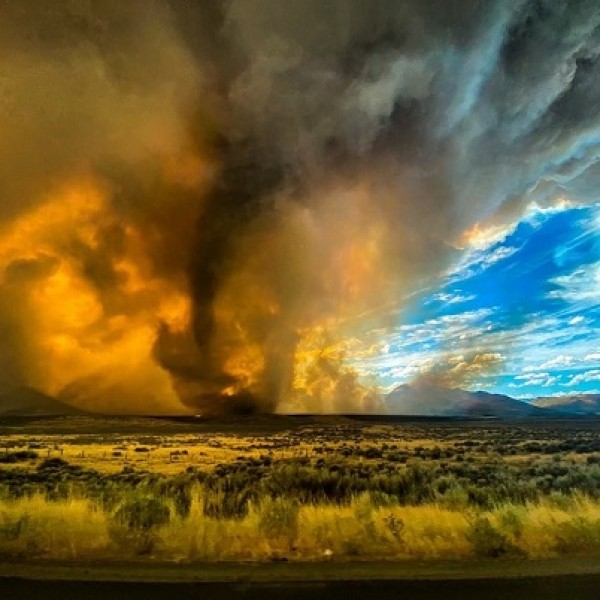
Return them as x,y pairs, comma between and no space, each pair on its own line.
204,205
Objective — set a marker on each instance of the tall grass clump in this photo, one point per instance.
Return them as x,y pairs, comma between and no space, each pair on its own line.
67,529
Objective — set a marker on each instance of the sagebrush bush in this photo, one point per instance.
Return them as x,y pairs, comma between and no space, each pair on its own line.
134,524
142,513
278,517
579,536
487,540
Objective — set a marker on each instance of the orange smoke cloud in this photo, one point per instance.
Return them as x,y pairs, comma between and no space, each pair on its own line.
481,235
462,370
323,383
282,316
90,300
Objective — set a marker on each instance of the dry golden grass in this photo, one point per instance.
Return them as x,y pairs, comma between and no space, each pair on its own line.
170,455
73,528
78,528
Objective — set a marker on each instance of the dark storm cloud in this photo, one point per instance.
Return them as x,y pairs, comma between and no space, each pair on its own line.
355,140
453,112
79,84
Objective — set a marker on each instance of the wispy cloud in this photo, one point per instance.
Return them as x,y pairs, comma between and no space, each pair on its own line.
582,286
586,377
532,297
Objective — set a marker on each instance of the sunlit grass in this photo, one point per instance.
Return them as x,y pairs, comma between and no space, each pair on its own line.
75,528
364,493
169,455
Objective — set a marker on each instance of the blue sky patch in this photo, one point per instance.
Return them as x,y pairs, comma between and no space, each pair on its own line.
519,317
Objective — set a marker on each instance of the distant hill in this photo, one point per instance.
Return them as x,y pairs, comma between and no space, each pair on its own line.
418,399
505,406
430,400
576,404
25,401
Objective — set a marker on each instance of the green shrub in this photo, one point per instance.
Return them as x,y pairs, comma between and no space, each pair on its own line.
486,540
143,514
579,535
20,456
512,521
278,517
11,530
134,523
53,464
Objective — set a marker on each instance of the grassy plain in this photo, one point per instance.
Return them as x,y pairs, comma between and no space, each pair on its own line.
299,489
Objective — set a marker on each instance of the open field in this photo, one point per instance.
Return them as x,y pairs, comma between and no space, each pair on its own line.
298,488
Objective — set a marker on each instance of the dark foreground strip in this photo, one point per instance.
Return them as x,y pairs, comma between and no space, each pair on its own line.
579,587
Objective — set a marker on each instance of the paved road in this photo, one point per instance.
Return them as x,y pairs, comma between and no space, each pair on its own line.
560,587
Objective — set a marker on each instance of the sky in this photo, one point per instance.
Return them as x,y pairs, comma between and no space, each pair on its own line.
525,299
256,205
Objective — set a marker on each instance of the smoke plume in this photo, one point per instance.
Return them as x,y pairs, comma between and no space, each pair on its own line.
201,203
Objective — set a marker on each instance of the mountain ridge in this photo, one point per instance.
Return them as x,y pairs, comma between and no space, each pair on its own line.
414,399
27,401
574,404
426,399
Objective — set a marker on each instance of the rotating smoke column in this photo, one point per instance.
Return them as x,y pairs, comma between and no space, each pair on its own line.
203,205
